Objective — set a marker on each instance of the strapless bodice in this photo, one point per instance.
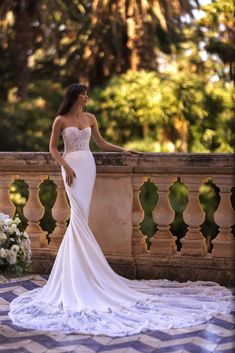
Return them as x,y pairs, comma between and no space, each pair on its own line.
76,139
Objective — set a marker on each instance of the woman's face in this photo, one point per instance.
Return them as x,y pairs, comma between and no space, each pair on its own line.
82,98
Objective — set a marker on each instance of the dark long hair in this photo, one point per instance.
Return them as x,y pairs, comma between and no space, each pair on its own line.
70,97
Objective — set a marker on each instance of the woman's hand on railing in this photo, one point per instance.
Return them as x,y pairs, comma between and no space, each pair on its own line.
131,152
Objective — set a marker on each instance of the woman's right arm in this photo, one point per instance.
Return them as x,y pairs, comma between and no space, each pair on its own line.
55,134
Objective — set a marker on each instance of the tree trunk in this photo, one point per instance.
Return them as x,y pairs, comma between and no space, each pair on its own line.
23,46
181,126
132,38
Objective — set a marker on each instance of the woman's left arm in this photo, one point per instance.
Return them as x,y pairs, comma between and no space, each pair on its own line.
104,145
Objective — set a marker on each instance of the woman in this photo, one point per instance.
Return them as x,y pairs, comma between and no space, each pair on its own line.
83,294
71,115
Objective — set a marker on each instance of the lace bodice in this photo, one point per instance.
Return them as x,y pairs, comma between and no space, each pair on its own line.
76,139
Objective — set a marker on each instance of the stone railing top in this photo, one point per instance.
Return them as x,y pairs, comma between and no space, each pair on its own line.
160,163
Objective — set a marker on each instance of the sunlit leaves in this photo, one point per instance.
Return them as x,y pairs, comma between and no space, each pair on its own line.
165,112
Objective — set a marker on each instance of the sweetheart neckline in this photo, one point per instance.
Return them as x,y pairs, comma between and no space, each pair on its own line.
75,127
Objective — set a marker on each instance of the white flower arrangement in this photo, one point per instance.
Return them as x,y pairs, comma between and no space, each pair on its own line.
15,246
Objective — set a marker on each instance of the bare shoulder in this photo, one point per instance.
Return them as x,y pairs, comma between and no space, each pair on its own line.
92,118
90,115
58,122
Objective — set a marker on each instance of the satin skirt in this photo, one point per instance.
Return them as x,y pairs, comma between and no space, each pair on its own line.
84,295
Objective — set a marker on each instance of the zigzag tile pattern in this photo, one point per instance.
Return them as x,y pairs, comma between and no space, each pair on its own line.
217,335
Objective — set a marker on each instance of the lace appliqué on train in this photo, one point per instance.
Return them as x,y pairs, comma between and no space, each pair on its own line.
172,305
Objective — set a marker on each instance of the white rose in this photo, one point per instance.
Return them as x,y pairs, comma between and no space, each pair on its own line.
12,229
3,237
11,257
15,248
17,220
3,253
12,260
8,222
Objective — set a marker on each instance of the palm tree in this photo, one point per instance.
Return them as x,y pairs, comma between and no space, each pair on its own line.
27,25
19,15
125,33
100,37
219,20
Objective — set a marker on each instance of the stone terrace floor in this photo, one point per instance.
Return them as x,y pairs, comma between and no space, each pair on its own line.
216,335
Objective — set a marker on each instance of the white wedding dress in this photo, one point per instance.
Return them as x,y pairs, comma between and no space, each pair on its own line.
84,295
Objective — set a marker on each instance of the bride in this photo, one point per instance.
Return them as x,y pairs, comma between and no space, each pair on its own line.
83,294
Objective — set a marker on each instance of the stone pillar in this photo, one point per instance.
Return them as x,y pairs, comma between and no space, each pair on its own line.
138,239
33,212
194,242
60,213
224,243
6,206
163,242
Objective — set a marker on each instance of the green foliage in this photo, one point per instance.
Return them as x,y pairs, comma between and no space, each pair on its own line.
19,196
155,112
26,125
84,40
181,101
217,31
148,111
148,199
127,104
47,195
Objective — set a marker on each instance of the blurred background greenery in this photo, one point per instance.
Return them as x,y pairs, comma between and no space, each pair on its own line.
160,75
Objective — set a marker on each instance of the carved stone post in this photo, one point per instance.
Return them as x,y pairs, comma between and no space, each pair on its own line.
194,242
163,242
224,243
138,239
6,206
60,213
33,212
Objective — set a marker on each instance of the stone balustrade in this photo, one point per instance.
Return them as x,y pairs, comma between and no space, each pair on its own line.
116,212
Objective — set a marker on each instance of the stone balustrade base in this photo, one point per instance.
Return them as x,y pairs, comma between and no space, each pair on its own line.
146,266
182,268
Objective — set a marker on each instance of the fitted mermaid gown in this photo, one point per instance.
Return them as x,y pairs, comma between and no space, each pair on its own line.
84,295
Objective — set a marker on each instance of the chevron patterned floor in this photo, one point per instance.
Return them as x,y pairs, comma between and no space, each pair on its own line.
216,335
